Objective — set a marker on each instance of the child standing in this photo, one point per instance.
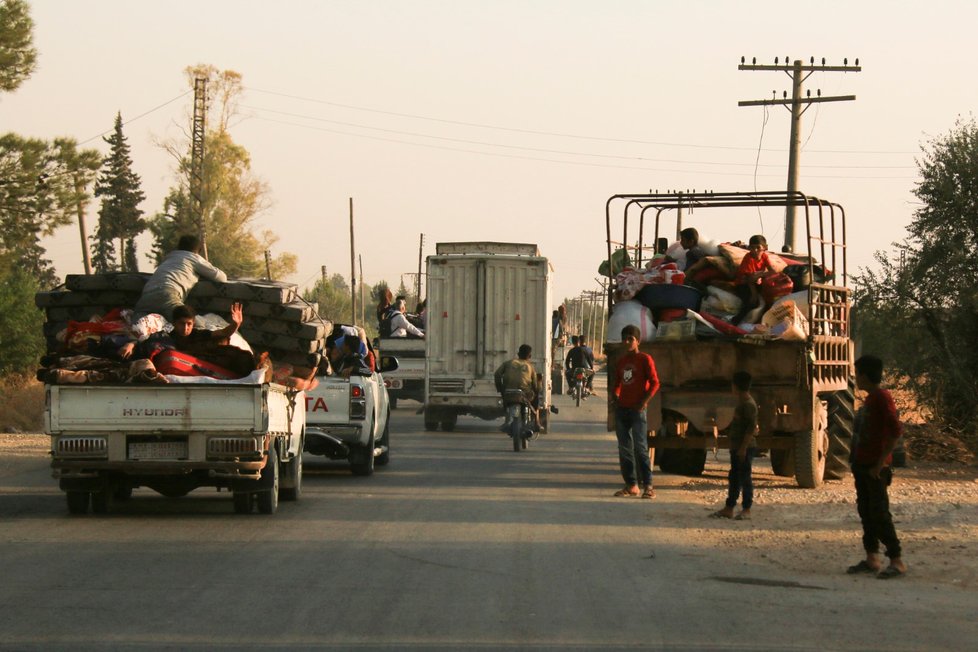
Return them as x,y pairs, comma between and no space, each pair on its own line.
872,457
753,268
741,436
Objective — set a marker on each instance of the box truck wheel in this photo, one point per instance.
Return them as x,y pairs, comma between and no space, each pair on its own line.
430,420
244,502
448,421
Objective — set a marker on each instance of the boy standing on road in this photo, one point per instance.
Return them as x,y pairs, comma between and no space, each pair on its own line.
871,471
741,435
633,385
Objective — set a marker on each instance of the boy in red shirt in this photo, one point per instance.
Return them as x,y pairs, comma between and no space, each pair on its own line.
871,459
754,267
633,385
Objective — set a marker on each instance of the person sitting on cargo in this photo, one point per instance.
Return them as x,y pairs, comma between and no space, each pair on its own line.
752,271
176,276
400,326
519,373
351,361
689,239
580,357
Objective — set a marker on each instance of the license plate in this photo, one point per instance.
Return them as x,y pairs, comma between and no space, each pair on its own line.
158,450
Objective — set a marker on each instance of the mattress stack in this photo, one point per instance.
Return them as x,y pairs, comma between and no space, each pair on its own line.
276,319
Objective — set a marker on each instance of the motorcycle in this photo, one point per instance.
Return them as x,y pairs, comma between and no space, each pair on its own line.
580,390
519,417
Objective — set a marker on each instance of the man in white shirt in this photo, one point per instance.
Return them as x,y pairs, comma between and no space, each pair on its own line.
400,326
172,281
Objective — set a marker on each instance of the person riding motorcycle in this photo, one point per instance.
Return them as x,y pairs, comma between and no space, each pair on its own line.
580,357
519,373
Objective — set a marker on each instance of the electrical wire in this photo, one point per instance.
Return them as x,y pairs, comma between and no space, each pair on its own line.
549,160
757,161
479,125
554,151
141,115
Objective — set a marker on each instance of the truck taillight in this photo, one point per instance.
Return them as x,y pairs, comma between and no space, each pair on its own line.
356,391
358,403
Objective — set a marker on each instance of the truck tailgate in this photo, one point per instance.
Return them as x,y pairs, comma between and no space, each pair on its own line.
160,408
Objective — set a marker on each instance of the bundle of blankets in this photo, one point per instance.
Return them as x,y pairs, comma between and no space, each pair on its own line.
88,318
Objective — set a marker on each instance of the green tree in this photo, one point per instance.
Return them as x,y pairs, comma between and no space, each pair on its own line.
333,296
233,196
919,309
43,186
21,338
18,58
120,216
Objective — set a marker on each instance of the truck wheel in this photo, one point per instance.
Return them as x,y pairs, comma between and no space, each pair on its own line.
77,501
783,463
291,486
267,500
385,443
362,459
811,449
449,421
122,493
244,501
430,420
840,417
101,500
393,401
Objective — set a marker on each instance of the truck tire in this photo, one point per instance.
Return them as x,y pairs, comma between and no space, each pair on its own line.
78,501
392,400
811,449
449,421
783,462
430,420
101,500
267,499
841,413
122,493
244,501
362,459
385,443
291,485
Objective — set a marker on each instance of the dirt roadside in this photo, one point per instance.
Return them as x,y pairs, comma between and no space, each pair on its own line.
799,531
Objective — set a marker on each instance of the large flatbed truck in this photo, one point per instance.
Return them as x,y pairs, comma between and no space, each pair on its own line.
804,389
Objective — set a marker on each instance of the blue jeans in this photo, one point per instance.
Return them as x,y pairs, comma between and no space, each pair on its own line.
740,479
632,430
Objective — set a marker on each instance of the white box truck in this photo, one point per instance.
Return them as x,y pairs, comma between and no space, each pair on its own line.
485,299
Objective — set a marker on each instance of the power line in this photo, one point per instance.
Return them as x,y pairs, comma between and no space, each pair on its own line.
141,115
557,151
535,132
548,160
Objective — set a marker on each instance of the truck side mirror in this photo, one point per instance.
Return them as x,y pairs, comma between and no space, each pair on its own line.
388,363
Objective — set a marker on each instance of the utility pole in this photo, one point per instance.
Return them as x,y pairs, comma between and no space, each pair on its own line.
420,250
353,271
363,299
86,257
268,264
197,160
798,73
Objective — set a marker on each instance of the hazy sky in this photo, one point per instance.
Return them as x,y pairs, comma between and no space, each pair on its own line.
508,120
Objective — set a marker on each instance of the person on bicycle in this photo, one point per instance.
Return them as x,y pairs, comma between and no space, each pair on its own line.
580,357
519,373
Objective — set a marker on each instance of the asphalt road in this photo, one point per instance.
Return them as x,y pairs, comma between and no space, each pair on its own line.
459,543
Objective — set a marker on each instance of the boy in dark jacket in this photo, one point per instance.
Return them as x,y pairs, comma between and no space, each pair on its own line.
741,435
871,471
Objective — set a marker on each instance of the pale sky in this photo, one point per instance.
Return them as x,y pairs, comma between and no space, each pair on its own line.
508,120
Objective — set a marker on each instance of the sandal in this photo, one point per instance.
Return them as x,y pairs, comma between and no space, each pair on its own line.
861,567
889,573
648,492
627,492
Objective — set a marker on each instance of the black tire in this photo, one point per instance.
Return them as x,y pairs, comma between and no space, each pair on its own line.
244,502
430,420
842,411
122,493
449,421
101,500
385,443
524,442
362,459
174,492
392,401
291,486
811,449
267,499
78,501
577,394
516,433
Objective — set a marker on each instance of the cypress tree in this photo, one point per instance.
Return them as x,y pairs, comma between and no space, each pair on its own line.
119,217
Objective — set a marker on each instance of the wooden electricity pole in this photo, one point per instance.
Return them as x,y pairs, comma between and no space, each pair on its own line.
798,73
418,282
353,271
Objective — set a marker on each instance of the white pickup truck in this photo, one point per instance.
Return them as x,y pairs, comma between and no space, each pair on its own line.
108,439
349,419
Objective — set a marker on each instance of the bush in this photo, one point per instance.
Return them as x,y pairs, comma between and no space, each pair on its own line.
23,400
21,323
